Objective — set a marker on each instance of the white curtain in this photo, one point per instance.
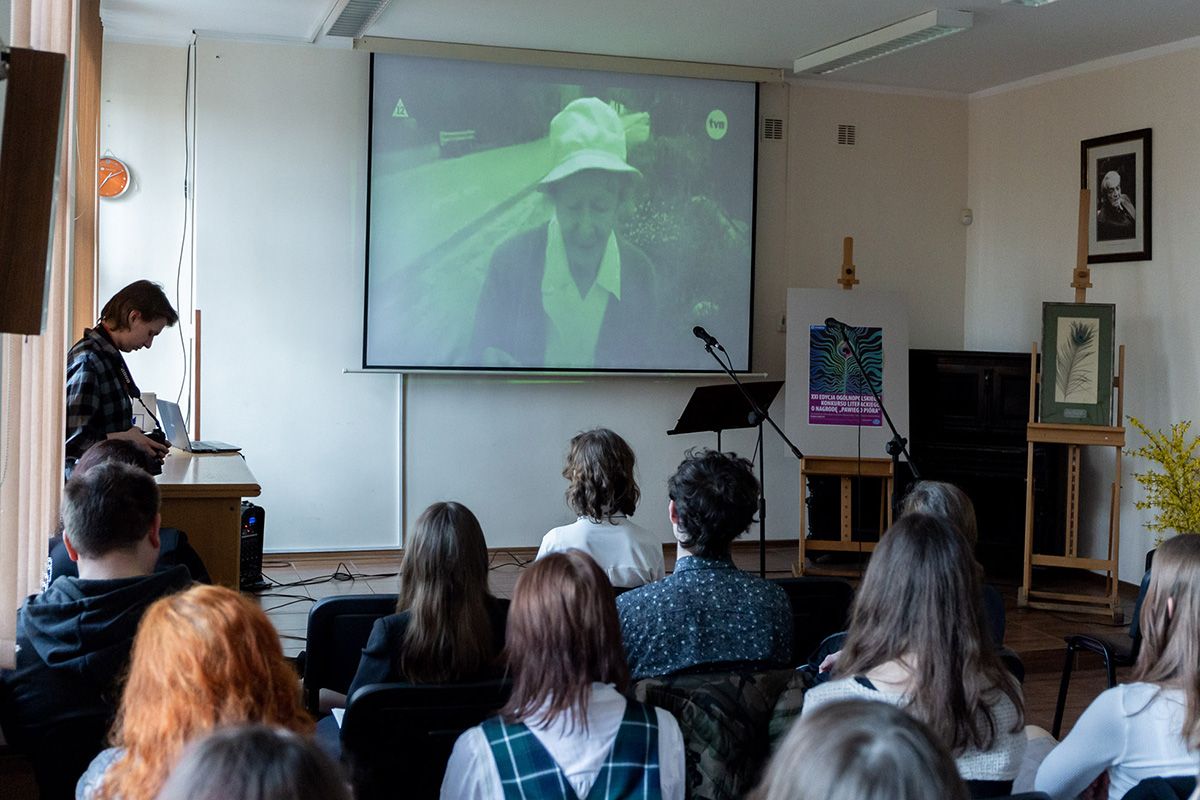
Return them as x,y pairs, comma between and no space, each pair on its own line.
34,367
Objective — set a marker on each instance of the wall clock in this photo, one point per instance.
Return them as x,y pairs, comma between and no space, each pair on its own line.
113,178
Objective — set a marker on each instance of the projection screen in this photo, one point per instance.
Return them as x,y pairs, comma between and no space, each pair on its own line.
547,219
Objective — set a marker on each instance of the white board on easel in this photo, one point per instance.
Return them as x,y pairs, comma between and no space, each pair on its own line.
829,413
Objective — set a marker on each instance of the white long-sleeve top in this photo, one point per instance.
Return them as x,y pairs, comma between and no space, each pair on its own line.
628,553
1133,730
471,773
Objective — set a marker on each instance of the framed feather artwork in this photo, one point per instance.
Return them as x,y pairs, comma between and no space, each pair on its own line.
1077,363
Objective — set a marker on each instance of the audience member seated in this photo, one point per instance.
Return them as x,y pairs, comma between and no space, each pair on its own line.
202,659
567,727
859,750
173,544
603,493
1151,727
707,610
447,627
254,762
73,640
947,501
917,640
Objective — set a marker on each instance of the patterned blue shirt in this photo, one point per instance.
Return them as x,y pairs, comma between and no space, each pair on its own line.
708,610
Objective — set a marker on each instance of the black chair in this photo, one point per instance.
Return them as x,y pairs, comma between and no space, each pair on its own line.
1025,796
1117,651
338,629
397,737
1178,788
820,606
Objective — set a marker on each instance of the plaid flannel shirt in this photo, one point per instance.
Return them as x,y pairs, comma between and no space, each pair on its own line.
97,402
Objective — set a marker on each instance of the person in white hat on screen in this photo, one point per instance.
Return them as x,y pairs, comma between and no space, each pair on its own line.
571,292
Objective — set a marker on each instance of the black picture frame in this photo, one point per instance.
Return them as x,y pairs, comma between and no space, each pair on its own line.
1119,227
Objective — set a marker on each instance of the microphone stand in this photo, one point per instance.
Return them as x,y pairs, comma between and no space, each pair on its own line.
756,417
898,444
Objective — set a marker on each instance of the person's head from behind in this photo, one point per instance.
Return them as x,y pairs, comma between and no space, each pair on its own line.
920,604
120,450
947,501
714,497
860,750
136,314
1170,625
563,635
590,179
599,470
110,510
444,587
202,658
254,762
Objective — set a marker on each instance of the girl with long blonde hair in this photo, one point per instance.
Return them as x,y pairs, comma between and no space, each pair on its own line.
203,658
1149,728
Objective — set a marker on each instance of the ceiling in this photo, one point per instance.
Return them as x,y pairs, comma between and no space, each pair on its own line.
1007,43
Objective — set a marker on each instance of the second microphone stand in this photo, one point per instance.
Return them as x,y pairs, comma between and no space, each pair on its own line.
897,444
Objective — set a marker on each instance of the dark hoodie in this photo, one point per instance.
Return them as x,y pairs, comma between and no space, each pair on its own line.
73,644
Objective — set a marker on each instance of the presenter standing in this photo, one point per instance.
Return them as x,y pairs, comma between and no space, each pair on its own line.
99,384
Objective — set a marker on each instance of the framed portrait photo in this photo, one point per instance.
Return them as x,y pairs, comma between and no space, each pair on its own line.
1117,170
1077,363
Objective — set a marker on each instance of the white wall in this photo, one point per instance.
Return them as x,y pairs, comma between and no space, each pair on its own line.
280,198
1024,186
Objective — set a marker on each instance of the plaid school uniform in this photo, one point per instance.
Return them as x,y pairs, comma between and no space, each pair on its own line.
528,771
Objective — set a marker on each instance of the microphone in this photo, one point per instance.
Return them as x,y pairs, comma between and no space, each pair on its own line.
704,336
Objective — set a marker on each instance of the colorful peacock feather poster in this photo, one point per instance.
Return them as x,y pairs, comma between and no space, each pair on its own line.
838,389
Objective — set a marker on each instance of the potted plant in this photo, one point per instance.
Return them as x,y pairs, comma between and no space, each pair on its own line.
1172,484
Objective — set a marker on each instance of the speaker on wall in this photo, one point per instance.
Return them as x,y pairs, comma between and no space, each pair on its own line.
29,149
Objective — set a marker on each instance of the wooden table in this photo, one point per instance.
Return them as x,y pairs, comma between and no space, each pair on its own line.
202,496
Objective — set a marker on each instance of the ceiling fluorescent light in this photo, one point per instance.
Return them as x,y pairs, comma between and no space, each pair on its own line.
355,17
885,41
1029,3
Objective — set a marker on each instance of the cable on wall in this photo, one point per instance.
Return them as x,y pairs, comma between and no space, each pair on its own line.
188,230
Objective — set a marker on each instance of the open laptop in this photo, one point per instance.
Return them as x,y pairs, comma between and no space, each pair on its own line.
173,426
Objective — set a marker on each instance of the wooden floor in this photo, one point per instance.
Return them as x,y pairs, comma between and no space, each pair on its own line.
1037,636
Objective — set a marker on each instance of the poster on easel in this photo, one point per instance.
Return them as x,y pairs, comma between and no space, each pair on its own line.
839,391
829,406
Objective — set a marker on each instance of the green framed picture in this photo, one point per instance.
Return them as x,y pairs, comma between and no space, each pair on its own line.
1077,363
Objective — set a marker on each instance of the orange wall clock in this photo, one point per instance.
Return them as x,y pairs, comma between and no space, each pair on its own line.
113,179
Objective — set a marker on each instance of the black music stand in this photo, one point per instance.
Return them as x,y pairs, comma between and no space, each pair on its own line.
723,407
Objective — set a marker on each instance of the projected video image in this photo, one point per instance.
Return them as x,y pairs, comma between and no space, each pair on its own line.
530,218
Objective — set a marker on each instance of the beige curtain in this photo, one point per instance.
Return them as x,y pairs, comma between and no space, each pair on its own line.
34,367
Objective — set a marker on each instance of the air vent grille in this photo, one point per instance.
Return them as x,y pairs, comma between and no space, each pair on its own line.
772,128
356,17
846,135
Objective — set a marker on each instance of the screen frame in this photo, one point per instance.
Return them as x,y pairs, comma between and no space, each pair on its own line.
534,58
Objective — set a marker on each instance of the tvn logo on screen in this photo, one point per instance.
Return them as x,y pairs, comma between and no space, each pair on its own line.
717,124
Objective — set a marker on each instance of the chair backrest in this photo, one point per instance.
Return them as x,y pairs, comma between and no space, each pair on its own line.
1177,788
397,737
820,606
338,629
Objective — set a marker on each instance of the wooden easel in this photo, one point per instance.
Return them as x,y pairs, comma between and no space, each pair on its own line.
845,469
1075,437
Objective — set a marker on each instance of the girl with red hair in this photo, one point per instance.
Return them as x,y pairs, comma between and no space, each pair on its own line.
203,658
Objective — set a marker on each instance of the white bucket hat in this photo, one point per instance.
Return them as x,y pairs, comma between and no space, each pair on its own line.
587,134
